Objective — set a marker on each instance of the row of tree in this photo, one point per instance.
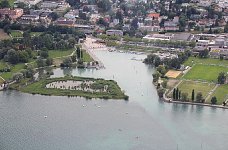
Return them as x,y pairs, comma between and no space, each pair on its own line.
178,96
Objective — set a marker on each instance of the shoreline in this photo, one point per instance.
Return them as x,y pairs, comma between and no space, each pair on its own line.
92,88
169,100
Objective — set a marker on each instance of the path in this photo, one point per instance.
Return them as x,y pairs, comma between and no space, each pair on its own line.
88,50
175,87
211,92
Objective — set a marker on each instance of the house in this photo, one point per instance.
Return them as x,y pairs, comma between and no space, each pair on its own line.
114,32
65,22
166,37
72,14
49,5
31,18
202,43
171,26
12,13
183,37
149,28
153,16
28,2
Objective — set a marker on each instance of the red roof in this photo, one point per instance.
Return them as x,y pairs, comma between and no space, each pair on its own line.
154,15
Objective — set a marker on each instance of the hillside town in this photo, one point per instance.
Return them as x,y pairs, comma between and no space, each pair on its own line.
201,21
113,74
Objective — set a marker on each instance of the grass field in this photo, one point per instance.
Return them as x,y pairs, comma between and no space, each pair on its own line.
59,53
39,87
3,35
87,57
3,65
188,86
1,81
11,2
221,93
16,34
14,69
35,33
205,61
205,72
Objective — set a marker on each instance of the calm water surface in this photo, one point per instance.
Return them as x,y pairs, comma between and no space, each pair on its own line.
142,123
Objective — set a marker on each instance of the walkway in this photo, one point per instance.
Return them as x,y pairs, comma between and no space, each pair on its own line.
88,50
211,92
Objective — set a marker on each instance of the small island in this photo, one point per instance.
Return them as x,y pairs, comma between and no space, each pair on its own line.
73,86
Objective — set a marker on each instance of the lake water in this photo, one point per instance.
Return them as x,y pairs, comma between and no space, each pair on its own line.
142,123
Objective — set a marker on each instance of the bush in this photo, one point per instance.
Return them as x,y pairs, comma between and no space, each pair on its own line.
213,100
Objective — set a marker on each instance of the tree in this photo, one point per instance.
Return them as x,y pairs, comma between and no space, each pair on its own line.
119,15
177,94
23,56
174,93
104,5
193,95
156,76
67,62
161,69
226,28
199,97
29,72
54,15
160,92
101,21
49,61
164,84
204,53
134,23
5,4
213,100
221,78
12,56
78,51
74,58
40,62
44,54
17,77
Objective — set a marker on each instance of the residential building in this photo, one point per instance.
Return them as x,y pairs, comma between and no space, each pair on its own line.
114,32
12,13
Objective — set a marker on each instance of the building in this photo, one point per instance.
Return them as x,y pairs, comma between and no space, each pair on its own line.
183,37
154,16
65,22
72,14
166,37
114,32
28,2
12,13
171,26
31,18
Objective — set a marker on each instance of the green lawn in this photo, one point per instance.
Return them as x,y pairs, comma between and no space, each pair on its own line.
14,69
87,57
221,93
16,34
11,2
205,72
35,33
59,53
188,86
39,87
205,61
1,81
3,65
